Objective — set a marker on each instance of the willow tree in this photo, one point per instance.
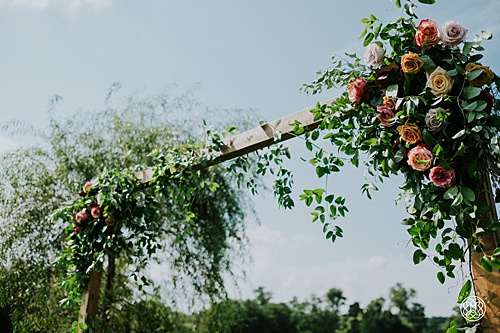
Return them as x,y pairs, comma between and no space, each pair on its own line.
38,179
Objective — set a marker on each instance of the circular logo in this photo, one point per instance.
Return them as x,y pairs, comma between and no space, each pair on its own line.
473,308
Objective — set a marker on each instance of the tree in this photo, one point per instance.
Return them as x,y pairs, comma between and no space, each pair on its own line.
37,179
376,319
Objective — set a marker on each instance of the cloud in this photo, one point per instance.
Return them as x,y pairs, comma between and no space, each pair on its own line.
67,4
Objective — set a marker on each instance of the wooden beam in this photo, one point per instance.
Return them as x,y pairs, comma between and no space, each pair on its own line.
254,139
235,146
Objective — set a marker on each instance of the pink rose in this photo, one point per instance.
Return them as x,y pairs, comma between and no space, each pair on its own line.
96,212
86,187
386,115
358,90
427,30
420,158
453,33
77,230
442,177
82,216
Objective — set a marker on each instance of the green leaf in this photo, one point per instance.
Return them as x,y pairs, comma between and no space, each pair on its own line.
398,3
368,39
427,2
496,252
440,277
429,65
418,256
451,193
392,90
486,263
468,194
472,75
464,292
459,134
471,92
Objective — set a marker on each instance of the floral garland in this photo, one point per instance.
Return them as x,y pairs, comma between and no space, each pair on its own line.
421,104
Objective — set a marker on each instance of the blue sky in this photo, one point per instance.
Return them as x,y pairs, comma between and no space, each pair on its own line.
248,54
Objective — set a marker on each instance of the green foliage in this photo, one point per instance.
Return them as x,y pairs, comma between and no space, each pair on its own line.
197,215
446,143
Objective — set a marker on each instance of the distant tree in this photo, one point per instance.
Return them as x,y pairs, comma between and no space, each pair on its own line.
376,319
335,298
399,298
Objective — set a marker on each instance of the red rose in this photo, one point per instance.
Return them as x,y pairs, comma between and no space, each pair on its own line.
77,230
386,115
420,158
427,30
96,212
442,177
81,216
358,90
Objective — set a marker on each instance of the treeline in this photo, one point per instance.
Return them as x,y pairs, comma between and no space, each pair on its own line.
397,313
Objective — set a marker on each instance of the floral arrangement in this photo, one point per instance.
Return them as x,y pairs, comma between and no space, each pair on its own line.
421,103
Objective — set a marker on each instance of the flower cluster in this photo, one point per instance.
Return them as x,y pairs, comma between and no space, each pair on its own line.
414,74
93,210
423,105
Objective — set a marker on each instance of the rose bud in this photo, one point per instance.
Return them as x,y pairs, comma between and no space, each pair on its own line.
77,230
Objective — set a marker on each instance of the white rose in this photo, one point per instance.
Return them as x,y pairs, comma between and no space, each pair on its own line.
374,55
453,33
432,121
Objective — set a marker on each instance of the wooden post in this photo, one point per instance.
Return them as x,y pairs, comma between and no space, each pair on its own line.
90,298
487,285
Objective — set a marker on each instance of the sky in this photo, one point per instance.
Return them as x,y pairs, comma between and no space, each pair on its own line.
242,54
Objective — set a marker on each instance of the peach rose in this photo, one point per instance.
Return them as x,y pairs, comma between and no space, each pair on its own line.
439,82
410,132
427,30
82,216
358,90
389,102
374,55
453,33
486,77
411,63
442,177
385,116
420,158
96,212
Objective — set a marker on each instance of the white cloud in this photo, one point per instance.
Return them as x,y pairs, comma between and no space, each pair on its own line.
67,4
